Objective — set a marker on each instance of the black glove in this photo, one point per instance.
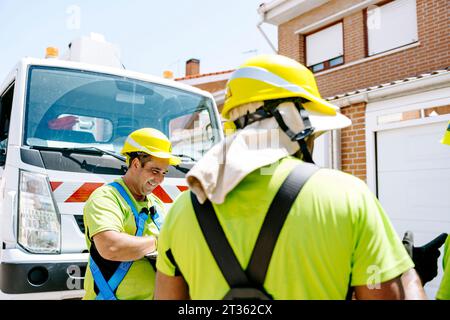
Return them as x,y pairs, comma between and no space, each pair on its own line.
425,257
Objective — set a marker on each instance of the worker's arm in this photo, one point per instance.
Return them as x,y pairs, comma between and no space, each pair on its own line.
117,246
406,287
170,288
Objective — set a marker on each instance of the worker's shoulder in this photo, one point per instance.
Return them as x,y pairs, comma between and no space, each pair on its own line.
103,192
325,177
339,178
181,208
182,202
101,198
335,182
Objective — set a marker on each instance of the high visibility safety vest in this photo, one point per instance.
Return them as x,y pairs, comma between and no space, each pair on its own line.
108,288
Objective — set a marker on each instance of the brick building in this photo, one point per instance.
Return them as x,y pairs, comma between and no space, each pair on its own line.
386,65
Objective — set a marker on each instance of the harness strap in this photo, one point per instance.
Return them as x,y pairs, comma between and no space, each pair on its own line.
218,244
107,289
274,220
156,218
220,248
126,197
106,292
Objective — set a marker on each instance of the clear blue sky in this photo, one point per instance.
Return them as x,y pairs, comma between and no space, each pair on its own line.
153,36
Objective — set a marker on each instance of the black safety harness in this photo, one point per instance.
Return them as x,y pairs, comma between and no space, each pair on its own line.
249,284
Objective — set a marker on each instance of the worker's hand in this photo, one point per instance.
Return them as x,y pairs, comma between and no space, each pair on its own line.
425,257
152,256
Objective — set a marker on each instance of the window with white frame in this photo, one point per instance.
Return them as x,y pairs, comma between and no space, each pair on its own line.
325,48
391,26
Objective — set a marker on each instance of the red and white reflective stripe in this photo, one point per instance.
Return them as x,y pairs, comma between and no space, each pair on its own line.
76,192
168,193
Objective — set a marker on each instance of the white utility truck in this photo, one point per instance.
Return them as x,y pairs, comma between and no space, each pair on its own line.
62,124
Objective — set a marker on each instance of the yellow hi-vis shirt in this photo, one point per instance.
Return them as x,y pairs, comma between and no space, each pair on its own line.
107,210
444,290
336,228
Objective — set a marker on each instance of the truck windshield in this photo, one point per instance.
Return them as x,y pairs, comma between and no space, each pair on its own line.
68,108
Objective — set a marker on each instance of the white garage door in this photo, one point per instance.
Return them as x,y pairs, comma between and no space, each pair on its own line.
321,152
414,183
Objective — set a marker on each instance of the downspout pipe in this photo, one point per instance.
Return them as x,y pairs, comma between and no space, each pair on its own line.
262,13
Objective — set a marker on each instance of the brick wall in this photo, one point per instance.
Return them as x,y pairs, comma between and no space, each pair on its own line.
290,44
354,44
433,52
288,41
353,142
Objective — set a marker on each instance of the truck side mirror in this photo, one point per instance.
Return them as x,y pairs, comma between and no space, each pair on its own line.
209,133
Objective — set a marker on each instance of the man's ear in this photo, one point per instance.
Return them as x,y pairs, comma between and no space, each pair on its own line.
135,163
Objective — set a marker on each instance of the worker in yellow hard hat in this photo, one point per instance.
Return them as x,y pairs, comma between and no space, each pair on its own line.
266,222
123,219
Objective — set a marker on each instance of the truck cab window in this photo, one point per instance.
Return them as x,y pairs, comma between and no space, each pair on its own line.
70,108
6,100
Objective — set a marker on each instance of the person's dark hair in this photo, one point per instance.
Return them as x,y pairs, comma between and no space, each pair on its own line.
142,157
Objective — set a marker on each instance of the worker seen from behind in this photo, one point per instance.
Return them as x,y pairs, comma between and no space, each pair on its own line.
263,222
123,219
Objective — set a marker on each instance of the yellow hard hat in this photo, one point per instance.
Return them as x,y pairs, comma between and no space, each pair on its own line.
152,142
268,77
446,138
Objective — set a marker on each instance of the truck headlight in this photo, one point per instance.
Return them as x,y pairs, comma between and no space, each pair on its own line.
39,224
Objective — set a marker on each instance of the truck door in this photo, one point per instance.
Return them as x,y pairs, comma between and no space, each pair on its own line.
6,99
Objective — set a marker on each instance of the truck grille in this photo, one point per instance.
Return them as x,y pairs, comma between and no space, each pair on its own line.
80,222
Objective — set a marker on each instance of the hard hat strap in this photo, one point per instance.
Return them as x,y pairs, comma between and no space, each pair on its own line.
250,118
270,109
300,136
305,151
